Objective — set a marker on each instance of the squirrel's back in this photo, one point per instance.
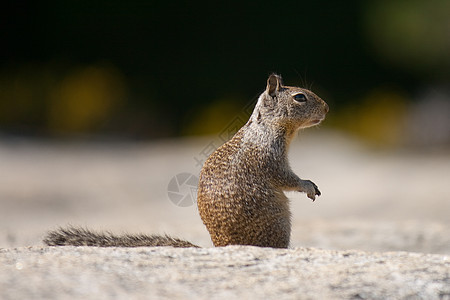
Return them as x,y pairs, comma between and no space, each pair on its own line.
237,198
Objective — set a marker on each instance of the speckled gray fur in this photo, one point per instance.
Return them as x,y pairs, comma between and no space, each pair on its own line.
76,236
241,196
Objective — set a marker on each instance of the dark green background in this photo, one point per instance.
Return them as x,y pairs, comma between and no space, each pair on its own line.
178,57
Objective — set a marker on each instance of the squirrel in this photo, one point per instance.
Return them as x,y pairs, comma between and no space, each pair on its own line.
241,186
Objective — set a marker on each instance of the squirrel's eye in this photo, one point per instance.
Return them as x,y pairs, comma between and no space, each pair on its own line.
300,98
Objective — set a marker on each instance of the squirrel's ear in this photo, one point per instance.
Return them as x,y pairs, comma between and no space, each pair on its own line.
274,83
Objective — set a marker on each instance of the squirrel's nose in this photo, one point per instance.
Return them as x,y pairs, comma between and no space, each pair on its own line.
326,108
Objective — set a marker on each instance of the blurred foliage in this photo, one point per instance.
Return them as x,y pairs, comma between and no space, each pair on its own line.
215,117
411,34
378,118
85,98
73,101
155,68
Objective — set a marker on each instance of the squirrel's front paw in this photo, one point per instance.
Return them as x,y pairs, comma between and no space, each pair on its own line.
310,188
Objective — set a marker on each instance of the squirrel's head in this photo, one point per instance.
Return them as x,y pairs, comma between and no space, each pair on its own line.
289,106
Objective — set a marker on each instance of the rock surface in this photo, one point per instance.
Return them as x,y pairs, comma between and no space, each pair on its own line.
221,273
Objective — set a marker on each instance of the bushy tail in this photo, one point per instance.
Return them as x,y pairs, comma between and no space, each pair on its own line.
74,236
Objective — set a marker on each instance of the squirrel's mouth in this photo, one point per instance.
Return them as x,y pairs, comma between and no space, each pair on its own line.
314,122
311,123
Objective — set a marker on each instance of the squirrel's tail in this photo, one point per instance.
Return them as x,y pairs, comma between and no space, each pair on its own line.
74,236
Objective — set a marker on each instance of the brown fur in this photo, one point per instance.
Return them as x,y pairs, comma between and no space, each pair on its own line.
241,196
